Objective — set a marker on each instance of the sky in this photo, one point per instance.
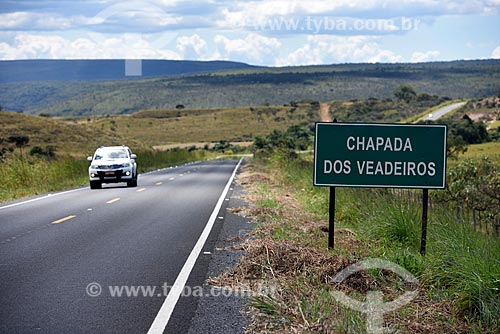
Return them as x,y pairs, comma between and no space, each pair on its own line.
268,32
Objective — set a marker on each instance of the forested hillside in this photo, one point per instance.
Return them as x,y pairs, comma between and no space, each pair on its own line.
252,87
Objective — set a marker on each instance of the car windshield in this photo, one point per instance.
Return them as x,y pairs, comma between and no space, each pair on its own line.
111,154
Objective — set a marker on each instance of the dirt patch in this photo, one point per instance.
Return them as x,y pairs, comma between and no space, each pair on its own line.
325,112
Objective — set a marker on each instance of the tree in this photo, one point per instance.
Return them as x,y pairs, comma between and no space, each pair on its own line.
462,132
260,142
455,145
222,145
300,135
471,132
2,151
20,142
405,93
49,151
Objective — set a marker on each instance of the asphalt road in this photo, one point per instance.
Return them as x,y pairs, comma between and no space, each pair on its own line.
65,257
437,114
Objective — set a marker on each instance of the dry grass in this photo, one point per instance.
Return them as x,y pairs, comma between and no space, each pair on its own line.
167,127
162,128
68,136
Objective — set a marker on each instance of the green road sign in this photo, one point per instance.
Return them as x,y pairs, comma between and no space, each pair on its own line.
380,155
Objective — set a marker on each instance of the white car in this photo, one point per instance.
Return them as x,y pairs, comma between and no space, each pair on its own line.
112,164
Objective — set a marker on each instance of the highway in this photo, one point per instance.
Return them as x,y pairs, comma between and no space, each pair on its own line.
63,256
437,114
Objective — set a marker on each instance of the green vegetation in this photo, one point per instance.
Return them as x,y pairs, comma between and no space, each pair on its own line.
459,277
474,185
297,137
490,149
486,111
252,87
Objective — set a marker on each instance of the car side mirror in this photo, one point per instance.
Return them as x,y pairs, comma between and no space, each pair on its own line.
133,156
89,158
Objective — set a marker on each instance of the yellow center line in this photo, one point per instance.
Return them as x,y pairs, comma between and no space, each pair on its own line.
63,219
140,190
159,183
113,200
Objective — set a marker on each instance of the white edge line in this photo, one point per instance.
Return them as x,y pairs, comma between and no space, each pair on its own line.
163,316
39,198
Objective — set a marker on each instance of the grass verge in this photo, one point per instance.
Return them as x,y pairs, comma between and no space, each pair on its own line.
459,278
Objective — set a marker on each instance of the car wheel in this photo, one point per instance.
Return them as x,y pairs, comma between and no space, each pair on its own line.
132,183
95,185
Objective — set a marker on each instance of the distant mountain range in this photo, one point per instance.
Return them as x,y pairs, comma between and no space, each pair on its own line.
101,87
92,70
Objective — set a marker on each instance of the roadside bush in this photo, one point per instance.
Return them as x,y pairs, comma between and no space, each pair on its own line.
49,151
475,185
297,137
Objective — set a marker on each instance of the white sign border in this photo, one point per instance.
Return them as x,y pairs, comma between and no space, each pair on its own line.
443,186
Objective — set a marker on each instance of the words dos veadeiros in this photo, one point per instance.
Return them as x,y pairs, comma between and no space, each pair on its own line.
380,167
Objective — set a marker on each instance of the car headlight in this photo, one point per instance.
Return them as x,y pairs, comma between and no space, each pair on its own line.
93,166
126,164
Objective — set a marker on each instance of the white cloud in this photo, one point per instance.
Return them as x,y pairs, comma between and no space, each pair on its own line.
253,49
119,17
126,46
420,57
256,14
149,16
191,47
146,16
339,49
42,21
173,29
496,53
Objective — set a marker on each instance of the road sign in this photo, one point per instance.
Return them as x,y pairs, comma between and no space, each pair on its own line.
380,155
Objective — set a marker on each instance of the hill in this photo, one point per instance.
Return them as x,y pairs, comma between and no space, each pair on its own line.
146,129
252,87
56,70
66,136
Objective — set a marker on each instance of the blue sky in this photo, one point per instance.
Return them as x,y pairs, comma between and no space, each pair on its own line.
272,33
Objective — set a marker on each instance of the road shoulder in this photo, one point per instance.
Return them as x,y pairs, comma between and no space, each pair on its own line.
219,311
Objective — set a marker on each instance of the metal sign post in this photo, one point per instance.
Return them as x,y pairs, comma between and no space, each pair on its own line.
331,218
423,238
371,155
